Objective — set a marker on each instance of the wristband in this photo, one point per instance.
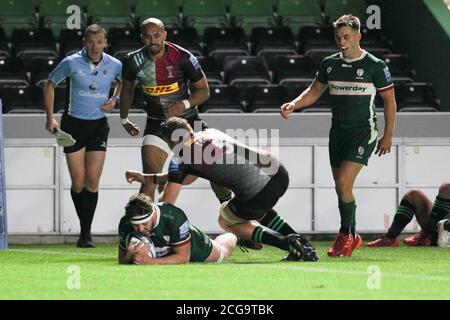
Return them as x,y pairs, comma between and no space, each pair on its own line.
124,121
186,103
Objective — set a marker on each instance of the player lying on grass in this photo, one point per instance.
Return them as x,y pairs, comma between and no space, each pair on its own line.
160,233
429,216
257,179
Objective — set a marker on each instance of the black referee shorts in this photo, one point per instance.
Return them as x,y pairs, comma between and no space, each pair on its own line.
89,134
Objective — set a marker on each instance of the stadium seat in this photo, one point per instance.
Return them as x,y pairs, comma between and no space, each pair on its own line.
400,67
166,10
335,8
20,100
12,73
296,13
111,13
4,49
315,37
53,14
318,54
270,42
265,98
211,69
417,97
16,14
223,42
122,41
372,37
246,71
223,99
293,68
252,13
28,43
185,37
40,69
204,13
70,41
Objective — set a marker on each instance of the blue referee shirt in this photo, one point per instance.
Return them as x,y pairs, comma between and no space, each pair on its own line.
89,85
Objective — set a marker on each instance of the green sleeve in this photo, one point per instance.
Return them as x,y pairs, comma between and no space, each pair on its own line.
381,75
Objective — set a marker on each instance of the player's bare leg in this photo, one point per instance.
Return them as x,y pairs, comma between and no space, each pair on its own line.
223,246
153,159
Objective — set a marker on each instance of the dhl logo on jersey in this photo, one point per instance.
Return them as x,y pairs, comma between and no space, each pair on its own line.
160,90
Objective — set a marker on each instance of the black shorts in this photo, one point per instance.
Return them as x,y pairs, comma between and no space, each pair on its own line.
153,126
264,200
89,134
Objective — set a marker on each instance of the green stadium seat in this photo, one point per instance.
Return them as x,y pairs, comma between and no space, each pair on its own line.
336,8
205,13
168,11
111,13
252,13
15,14
54,14
296,13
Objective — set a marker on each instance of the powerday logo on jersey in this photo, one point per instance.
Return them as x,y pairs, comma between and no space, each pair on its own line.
160,90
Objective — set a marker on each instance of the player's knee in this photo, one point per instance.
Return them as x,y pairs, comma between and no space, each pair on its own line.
413,195
92,184
444,190
343,186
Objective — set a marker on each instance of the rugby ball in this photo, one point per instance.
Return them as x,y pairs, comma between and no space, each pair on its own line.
136,239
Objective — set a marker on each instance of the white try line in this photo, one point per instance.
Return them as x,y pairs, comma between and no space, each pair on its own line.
296,267
63,253
340,271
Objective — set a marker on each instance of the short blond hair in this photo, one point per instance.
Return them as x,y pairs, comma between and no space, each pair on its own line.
348,20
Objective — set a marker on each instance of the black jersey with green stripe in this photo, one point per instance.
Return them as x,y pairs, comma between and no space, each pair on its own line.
165,80
171,229
353,85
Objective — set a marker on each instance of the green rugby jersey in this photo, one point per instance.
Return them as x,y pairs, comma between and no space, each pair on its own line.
171,229
353,85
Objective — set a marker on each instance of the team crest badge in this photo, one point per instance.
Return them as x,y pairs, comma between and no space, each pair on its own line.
360,151
360,72
105,72
169,71
329,70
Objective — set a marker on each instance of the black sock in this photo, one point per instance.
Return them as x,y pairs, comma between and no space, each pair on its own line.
403,216
223,198
439,211
90,200
273,221
447,225
269,237
77,199
347,211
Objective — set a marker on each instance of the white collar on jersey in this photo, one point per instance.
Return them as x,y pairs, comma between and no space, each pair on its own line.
363,54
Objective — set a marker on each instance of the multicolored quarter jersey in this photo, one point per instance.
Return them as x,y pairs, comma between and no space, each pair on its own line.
353,85
171,229
88,84
165,80
219,158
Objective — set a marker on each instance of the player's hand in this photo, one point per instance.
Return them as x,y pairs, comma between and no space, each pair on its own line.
141,253
51,125
109,105
384,146
131,128
286,109
132,175
176,109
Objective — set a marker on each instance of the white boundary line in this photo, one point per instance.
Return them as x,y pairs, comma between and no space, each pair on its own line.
265,266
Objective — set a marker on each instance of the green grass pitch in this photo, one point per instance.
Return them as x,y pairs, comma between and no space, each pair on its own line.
45,272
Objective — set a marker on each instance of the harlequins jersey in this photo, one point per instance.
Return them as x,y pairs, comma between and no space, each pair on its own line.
165,80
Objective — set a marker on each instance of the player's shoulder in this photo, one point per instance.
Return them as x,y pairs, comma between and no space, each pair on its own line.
332,58
373,60
139,54
124,224
176,52
110,59
74,57
169,210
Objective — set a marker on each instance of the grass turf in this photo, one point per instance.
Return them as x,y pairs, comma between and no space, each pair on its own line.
43,272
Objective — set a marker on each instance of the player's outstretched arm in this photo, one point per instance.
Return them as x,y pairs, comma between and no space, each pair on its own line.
145,178
390,108
305,99
126,98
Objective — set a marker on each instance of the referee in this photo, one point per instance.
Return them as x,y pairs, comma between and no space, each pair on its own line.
88,75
